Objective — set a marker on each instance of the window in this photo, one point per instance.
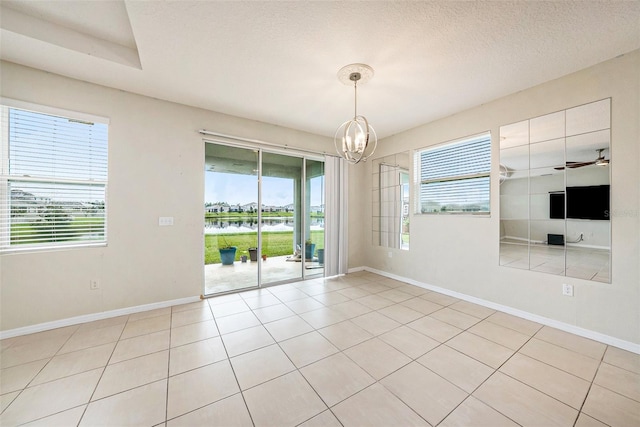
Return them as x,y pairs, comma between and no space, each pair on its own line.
454,177
53,181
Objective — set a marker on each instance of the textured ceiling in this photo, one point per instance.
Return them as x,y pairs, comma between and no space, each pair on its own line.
277,61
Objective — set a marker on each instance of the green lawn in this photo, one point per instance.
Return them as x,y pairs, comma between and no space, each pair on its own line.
274,243
76,229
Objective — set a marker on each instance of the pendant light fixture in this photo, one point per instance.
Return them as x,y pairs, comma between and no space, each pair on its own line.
355,139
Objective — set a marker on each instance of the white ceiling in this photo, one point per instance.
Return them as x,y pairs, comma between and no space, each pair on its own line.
277,61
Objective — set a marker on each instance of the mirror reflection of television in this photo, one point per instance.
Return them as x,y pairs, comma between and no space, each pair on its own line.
589,202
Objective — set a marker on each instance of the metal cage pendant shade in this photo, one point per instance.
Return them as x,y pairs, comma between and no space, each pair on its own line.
355,139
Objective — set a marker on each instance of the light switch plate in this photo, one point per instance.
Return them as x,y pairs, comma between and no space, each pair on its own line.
164,221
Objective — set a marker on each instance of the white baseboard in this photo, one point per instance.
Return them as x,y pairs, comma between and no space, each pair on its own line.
596,336
40,327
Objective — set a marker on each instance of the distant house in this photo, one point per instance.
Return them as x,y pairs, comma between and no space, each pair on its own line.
216,207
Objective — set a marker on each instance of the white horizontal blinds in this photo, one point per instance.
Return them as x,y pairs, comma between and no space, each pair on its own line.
54,181
456,177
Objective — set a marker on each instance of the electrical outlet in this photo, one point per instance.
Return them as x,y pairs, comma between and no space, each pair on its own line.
567,290
390,254
94,284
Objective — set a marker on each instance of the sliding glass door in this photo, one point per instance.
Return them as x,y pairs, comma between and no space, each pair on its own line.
230,218
264,218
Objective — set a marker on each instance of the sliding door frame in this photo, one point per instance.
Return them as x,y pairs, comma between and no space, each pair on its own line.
273,149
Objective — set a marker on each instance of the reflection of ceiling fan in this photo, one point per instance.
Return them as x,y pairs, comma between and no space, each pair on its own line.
600,161
505,173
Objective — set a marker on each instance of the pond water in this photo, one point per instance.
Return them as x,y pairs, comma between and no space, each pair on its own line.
247,225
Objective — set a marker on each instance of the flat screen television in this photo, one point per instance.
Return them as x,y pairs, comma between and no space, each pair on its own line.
589,202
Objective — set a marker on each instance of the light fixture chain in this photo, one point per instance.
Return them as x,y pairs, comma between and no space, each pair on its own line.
355,101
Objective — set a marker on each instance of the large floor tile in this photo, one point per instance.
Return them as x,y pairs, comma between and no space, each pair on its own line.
285,401
195,355
619,380
572,342
354,293
19,376
144,405
623,359
259,366
227,412
289,327
421,305
375,323
483,350
376,357
186,317
70,417
456,318
200,387
228,308
375,302
351,309
146,326
400,313
75,363
523,404
92,338
246,340
459,369
345,334
585,420
262,300
331,298
237,322
150,313
439,298
473,412
273,312
103,323
611,408
6,399
472,309
336,377
434,328
395,295
323,317
373,288
139,346
499,334
132,373
52,397
519,324
559,384
428,394
194,332
325,419
308,348
304,305
566,360
409,341
376,407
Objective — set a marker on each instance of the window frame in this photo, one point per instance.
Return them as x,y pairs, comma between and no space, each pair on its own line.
419,181
6,246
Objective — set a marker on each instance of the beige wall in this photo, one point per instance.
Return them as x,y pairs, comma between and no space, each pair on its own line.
460,253
156,168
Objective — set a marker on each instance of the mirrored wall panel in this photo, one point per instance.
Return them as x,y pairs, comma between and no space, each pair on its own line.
390,198
555,193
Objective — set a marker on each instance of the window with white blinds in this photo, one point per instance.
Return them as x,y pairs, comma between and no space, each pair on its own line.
53,181
454,177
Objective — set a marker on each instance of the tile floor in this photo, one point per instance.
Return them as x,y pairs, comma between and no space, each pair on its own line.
223,278
583,263
360,350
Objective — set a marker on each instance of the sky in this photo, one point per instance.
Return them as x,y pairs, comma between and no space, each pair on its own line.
243,189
